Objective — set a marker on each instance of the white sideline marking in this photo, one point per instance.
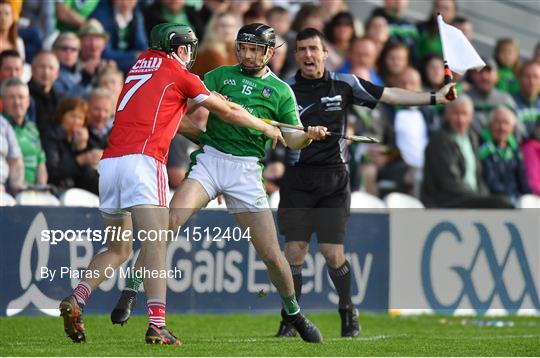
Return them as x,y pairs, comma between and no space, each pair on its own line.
275,339
516,336
372,338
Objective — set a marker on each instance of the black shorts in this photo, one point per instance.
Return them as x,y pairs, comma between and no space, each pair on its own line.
314,200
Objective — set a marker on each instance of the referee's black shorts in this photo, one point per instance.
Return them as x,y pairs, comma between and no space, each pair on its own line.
314,200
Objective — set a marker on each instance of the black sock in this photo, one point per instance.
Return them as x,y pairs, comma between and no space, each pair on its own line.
341,277
297,279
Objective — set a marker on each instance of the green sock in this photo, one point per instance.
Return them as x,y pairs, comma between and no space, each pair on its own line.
290,305
133,282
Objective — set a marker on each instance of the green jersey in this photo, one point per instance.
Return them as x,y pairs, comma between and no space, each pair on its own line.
82,8
33,154
265,97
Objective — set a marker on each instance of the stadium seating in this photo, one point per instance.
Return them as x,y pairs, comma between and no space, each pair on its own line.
362,200
402,201
7,200
529,201
31,197
79,197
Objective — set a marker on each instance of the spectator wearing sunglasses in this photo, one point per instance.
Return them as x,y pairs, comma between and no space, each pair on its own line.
66,47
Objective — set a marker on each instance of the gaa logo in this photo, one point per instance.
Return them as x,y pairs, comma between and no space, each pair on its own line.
229,82
489,277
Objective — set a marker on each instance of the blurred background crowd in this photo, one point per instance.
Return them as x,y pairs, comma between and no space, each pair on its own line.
62,66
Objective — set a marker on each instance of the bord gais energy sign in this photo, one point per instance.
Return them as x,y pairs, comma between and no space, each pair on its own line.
47,251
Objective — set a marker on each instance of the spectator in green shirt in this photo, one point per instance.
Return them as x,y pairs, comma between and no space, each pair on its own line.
507,56
72,14
172,11
16,99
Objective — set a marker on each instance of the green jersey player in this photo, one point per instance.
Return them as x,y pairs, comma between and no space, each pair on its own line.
229,162
264,97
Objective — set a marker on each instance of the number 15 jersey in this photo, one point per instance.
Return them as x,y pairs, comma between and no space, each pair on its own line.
151,106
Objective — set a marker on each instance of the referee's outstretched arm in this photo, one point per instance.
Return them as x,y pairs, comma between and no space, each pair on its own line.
399,96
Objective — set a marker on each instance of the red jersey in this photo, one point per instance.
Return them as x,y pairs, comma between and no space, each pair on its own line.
151,106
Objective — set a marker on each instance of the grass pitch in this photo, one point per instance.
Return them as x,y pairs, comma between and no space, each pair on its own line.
251,335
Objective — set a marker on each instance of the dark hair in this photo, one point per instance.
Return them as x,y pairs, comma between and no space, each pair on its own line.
255,11
498,47
12,32
310,33
459,20
306,11
338,19
381,62
8,53
42,53
525,66
423,67
276,10
371,19
70,104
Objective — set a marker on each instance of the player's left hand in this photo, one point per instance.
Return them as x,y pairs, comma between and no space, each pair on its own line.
448,91
317,132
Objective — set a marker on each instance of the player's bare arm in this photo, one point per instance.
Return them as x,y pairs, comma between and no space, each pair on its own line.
16,173
399,96
233,113
298,140
189,129
192,106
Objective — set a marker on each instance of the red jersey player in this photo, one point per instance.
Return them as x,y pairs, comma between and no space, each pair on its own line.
133,184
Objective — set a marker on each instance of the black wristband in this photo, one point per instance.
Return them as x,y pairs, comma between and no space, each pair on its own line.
433,98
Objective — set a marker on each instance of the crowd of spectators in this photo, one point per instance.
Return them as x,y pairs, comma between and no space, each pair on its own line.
62,66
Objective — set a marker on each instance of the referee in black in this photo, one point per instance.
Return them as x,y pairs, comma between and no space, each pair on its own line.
315,190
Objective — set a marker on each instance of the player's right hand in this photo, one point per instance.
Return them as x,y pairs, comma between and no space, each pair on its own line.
275,134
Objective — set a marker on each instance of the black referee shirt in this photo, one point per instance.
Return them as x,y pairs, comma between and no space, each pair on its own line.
326,102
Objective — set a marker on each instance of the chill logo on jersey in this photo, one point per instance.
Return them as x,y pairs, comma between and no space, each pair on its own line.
267,92
147,64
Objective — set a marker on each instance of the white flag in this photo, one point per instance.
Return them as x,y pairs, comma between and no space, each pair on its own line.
457,50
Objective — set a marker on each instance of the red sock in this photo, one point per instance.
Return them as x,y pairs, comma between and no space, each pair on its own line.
156,312
82,292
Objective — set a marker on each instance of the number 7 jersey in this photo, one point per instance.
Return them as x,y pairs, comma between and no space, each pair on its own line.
151,106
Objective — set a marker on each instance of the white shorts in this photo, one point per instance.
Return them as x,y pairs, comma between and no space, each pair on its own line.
239,179
131,180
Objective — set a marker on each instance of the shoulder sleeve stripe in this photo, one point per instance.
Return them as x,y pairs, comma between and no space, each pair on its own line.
200,98
364,92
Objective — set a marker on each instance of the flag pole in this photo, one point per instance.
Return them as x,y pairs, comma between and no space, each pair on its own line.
447,71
